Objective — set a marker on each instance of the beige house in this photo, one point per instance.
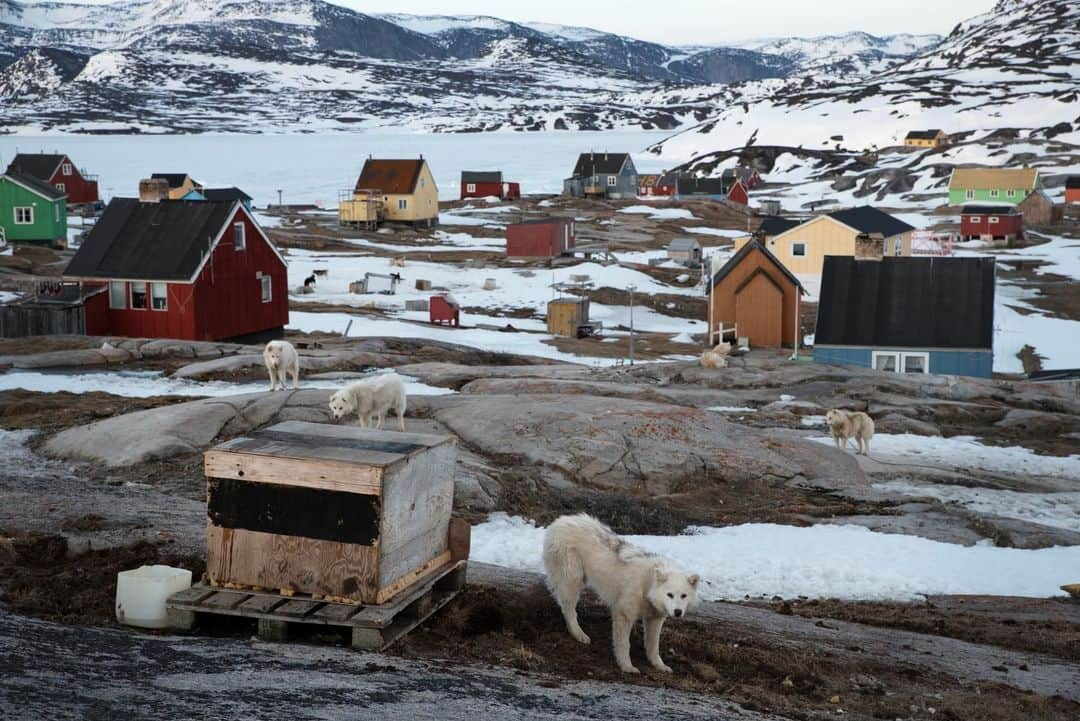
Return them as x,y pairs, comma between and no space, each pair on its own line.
180,184
802,249
398,191
933,138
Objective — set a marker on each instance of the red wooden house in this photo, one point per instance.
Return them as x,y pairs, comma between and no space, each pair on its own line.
1072,189
443,309
543,238
488,185
749,177
993,222
681,186
60,172
192,270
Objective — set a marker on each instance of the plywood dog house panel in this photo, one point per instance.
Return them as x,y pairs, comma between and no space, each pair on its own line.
336,511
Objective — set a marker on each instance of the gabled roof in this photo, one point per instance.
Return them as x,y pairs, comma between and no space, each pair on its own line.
150,241
37,165
742,173
906,303
648,178
993,178
989,210
923,134
45,190
775,225
473,176
702,186
683,244
746,250
599,164
175,180
395,177
225,194
868,219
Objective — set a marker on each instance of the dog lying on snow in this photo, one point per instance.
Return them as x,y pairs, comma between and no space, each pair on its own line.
281,357
580,551
371,399
851,424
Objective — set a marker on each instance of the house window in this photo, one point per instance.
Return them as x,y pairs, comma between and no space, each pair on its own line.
117,295
138,296
798,249
159,296
67,169
56,213
239,240
1010,193
61,187
470,188
402,204
994,193
266,288
611,180
898,362
24,215
885,361
993,219
916,362
970,194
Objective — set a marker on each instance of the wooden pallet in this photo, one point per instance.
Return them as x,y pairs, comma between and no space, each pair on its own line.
373,627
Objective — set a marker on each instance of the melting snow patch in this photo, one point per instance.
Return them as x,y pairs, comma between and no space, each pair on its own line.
1057,510
660,213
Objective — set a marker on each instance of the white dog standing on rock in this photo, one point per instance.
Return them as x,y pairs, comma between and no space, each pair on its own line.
281,357
371,398
851,424
580,551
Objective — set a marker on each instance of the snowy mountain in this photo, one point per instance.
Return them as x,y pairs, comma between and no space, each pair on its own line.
1016,67
307,65
850,54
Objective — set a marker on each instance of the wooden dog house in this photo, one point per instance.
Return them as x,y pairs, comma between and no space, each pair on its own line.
338,512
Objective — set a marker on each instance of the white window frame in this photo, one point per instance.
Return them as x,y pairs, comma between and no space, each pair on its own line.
969,194
61,187
612,181
798,244
1011,192
66,169
239,232
27,214
164,288
470,187
992,220
131,297
900,359
903,362
118,295
874,355
994,192
403,204
266,288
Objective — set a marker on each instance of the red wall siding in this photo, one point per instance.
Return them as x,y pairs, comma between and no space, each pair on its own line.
980,225
738,194
1072,195
228,294
540,240
78,188
488,190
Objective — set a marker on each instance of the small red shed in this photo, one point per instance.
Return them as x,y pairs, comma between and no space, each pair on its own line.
60,172
543,238
191,270
488,185
997,222
444,310
1072,189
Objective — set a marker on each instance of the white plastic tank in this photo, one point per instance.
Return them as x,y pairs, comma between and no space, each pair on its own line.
141,594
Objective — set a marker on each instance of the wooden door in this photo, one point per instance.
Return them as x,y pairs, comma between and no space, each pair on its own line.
759,311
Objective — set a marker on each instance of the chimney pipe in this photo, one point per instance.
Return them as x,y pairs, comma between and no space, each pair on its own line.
870,246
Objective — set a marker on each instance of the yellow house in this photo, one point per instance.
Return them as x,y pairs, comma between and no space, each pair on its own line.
406,189
802,249
180,184
926,139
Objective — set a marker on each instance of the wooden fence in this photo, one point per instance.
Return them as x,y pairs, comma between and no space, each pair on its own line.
20,320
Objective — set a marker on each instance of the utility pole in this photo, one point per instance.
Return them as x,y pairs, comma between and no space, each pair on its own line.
631,325
279,199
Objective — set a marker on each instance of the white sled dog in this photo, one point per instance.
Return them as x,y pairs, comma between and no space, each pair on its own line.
851,424
281,357
580,551
371,399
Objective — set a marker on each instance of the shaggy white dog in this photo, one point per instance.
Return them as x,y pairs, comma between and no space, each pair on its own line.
580,551
716,357
281,357
851,424
371,399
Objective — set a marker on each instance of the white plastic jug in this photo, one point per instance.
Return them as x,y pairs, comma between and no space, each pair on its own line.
141,594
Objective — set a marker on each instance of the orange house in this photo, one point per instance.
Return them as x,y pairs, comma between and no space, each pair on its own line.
1072,189
755,297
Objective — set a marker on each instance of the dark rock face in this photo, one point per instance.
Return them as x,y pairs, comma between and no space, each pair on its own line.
732,65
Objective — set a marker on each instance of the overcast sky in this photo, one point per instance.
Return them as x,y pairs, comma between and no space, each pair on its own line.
681,22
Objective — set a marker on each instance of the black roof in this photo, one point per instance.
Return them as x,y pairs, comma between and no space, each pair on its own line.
37,165
45,189
742,173
702,186
923,134
150,241
599,164
1064,374
775,225
989,210
868,219
544,221
225,194
1073,181
175,180
734,261
906,303
473,176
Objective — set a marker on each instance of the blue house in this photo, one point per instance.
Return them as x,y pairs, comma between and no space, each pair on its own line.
907,315
226,195
603,175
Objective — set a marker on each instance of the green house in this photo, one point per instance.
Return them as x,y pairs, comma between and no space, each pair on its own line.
1008,186
31,211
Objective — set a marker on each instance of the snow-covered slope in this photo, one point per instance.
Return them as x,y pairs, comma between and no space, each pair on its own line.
849,54
1017,66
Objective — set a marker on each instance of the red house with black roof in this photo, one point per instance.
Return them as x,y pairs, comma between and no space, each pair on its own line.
191,270
994,222
488,184
60,172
